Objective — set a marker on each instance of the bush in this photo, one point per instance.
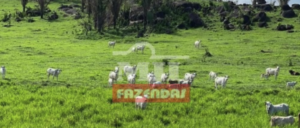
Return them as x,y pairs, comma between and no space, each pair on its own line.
30,20
6,17
35,11
52,16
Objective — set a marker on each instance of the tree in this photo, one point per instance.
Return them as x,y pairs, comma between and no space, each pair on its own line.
24,3
146,5
283,2
89,7
253,3
82,5
99,13
115,7
43,5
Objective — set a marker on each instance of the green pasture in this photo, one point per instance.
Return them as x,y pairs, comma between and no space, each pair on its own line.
81,98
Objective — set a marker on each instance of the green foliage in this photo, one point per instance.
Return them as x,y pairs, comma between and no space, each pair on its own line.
52,16
6,17
35,11
227,6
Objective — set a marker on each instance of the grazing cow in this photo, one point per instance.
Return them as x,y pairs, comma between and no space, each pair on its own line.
164,77
139,47
131,78
3,71
129,69
112,44
272,109
291,84
151,78
53,72
151,74
117,69
221,81
294,73
141,102
281,120
273,71
212,75
190,76
197,43
113,75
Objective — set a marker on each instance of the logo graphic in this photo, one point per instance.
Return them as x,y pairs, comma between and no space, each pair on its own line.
158,93
158,66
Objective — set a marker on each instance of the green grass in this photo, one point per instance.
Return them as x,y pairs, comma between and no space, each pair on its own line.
28,100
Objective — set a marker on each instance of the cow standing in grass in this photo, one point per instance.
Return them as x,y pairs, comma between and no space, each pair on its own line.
141,102
272,109
273,71
221,81
53,72
112,44
138,48
164,77
129,69
281,120
212,75
197,43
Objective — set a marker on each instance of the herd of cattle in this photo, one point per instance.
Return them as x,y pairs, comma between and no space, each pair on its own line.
129,71
218,80
188,78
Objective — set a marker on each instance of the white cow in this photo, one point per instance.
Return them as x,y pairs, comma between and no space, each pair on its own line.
3,71
117,69
151,74
291,84
197,43
164,77
141,102
113,75
139,47
281,120
190,76
272,109
151,78
53,72
110,82
112,44
212,75
131,78
129,69
221,81
273,71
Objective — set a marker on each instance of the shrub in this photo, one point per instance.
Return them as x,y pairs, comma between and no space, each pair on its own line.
6,17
